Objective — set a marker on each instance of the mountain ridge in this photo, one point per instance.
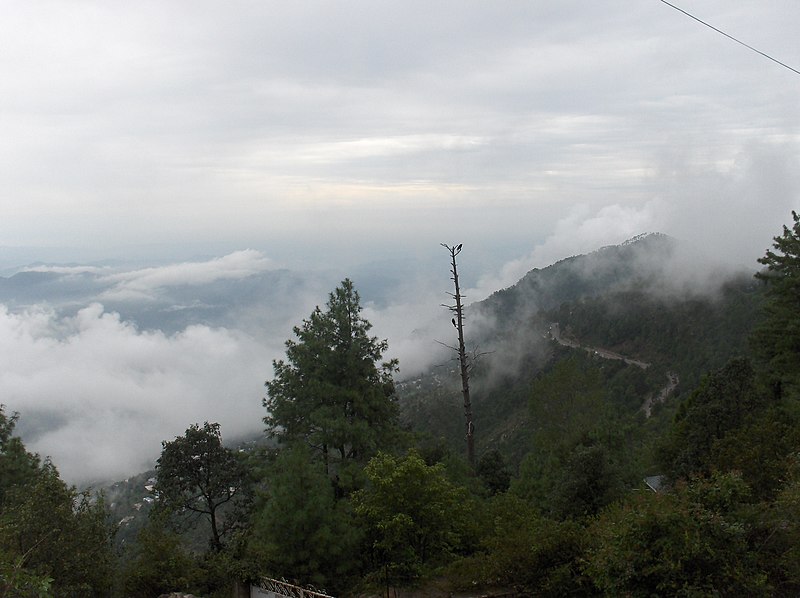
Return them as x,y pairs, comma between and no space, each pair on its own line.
628,299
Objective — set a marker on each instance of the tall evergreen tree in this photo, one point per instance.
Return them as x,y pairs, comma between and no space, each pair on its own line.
333,392
777,338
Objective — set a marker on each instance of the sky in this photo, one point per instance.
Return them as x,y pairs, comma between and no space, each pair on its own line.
203,141
327,132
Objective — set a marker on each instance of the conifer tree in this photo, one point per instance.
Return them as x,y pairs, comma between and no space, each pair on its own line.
777,339
299,530
333,392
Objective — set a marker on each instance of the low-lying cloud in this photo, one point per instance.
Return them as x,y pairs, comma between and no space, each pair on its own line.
99,396
99,388
144,283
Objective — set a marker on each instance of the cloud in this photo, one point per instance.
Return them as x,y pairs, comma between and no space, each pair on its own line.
381,147
415,329
144,283
238,125
99,396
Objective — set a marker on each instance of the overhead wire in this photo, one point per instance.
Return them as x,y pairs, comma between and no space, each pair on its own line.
738,41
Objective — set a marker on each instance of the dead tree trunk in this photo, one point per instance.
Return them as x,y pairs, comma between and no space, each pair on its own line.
458,323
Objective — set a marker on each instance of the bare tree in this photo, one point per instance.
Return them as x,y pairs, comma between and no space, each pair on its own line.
458,322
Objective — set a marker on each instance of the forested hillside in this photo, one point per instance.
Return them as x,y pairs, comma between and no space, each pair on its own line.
615,299
589,377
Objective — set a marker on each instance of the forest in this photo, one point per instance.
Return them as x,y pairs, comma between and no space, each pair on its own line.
361,485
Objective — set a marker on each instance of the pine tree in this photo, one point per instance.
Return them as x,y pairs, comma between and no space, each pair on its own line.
777,338
299,530
333,392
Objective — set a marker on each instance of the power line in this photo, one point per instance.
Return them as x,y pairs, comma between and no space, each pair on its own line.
738,41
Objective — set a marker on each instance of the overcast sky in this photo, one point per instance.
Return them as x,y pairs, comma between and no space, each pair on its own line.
330,130
330,134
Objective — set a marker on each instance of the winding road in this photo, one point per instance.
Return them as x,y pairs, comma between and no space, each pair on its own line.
672,378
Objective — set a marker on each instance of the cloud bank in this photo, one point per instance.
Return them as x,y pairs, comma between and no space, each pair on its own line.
144,283
99,396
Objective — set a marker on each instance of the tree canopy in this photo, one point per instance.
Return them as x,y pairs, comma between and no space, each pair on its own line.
720,405
411,513
333,391
17,466
299,530
196,474
52,538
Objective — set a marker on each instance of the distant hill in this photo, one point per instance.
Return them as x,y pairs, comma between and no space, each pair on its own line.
168,306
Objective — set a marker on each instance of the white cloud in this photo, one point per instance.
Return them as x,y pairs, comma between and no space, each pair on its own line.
115,393
728,212
205,123
141,284
415,325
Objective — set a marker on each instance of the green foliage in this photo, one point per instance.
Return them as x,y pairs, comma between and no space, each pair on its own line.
60,534
333,392
412,515
198,476
708,429
18,582
688,335
760,450
583,452
52,538
566,402
159,564
777,534
587,481
494,472
17,466
777,338
520,549
686,543
299,530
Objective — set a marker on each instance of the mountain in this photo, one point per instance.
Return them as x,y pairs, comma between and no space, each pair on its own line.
673,315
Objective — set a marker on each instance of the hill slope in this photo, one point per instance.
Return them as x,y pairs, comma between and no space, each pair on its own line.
644,300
